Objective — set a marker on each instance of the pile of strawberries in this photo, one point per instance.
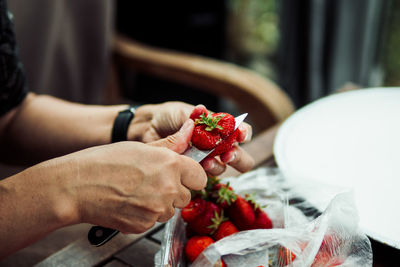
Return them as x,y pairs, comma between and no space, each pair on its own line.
217,212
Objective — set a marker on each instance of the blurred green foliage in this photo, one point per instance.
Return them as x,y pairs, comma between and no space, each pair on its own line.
253,34
391,53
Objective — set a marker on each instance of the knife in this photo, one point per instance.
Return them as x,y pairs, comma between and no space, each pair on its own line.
198,155
99,235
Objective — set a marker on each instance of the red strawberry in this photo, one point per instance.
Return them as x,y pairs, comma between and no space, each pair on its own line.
226,122
195,207
331,244
211,131
223,195
203,139
225,229
208,221
323,259
225,145
285,256
241,213
196,245
262,220
189,232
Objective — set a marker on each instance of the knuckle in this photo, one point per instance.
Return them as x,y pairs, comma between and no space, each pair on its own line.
171,161
168,188
156,209
171,139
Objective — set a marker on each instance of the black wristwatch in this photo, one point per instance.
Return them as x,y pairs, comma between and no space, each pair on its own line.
121,125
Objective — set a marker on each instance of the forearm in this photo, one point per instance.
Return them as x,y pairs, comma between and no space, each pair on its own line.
44,127
33,204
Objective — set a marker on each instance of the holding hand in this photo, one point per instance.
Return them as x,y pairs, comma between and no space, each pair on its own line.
129,186
153,122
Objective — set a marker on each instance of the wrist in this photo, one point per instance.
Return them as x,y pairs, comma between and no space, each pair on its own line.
140,123
56,184
35,199
121,124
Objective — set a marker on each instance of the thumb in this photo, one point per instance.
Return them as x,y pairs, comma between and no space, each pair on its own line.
179,141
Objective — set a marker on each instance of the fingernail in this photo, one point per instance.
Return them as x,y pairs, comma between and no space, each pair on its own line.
247,138
244,129
231,158
211,165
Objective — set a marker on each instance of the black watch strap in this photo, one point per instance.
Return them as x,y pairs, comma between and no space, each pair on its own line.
121,125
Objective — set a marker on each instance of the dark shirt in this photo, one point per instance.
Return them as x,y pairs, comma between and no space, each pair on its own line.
13,86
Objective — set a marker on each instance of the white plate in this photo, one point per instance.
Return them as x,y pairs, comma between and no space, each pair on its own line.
350,139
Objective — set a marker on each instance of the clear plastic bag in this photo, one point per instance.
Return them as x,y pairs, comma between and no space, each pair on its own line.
302,235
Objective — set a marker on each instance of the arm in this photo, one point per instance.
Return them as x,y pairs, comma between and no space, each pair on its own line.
43,127
126,186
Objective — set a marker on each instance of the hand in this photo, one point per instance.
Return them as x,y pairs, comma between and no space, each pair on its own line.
129,186
237,157
153,122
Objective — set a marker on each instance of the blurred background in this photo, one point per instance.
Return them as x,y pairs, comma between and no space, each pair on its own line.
309,48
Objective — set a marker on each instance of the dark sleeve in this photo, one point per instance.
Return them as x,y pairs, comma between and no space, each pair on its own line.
13,86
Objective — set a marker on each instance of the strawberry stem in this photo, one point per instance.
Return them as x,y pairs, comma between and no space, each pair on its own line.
210,121
225,194
250,198
217,220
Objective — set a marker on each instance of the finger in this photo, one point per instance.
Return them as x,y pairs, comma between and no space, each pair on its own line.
245,133
179,141
149,134
238,159
197,111
183,198
167,215
193,175
213,166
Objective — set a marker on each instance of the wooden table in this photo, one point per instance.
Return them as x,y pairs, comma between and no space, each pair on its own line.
122,250
139,250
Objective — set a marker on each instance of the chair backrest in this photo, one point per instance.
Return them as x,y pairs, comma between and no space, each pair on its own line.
265,102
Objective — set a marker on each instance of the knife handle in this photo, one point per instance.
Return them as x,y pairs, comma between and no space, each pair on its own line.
99,235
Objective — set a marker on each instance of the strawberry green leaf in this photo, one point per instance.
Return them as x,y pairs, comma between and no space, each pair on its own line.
210,121
217,220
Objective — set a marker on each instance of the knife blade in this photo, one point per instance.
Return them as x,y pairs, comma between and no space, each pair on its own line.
99,235
198,155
